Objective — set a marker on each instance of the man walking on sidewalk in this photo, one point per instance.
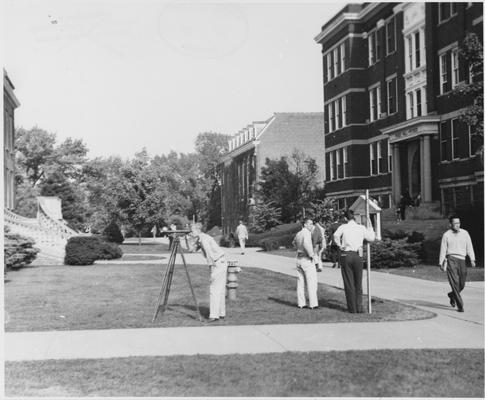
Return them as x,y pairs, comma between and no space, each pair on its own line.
307,274
242,235
218,272
456,244
350,238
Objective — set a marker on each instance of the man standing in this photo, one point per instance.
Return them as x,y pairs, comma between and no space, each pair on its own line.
350,238
307,274
456,244
318,242
218,272
242,235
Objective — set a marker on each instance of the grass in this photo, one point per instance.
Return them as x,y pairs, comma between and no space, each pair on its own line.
377,373
113,296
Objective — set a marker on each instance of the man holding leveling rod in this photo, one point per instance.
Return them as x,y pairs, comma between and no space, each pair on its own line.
218,271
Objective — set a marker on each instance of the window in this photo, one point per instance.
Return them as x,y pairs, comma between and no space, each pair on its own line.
332,166
417,55
454,68
336,62
374,47
454,139
329,67
331,119
340,168
346,162
344,111
389,157
443,141
410,108
443,74
418,103
375,103
338,118
342,57
391,96
373,160
410,53
444,11
390,36
380,159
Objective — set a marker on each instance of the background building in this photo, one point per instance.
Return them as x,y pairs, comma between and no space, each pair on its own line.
277,137
391,119
10,103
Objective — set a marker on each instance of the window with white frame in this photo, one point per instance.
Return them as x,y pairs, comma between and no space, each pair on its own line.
329,67
410,105
390,35
444,141
380,159
454,138
373,159
391,88
418,103
339,163
374,47
331,123
338,120
332,167
409,48
417,47
444,87
389,157
344,110
454,68
446,11
375,103
342,57
346,162
336,62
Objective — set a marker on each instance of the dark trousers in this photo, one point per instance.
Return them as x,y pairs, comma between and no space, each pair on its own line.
351,265
456,271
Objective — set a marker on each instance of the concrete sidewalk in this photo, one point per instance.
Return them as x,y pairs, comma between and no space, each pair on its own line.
440,332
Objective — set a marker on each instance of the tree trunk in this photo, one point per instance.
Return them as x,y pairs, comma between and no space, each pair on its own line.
139,238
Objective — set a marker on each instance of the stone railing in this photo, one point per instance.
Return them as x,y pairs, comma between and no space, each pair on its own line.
52,225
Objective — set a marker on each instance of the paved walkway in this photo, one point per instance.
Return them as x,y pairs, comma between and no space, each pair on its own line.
440,332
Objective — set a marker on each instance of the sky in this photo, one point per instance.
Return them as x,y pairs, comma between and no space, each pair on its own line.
123,75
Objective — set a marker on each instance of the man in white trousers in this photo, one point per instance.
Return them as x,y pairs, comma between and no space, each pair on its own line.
307,273
218,272
242,235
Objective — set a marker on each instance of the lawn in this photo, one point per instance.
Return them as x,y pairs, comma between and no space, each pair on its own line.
377,373
109,296
420,271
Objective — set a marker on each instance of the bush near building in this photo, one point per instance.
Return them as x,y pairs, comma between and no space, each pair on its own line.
112,233
389,253
19,250
85,250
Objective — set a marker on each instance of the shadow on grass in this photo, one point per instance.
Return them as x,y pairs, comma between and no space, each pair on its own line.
321,302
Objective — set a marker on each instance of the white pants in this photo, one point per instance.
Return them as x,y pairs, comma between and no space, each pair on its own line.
307,279
242,242
217,289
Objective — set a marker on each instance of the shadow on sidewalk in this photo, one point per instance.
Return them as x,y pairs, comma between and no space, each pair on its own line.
423,303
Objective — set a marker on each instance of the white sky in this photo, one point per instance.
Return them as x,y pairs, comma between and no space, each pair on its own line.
123,75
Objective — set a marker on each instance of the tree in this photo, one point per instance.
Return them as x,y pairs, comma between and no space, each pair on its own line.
472,52
264,216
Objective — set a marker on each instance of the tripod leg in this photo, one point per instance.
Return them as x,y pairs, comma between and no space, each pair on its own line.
165,281
175,245
190,284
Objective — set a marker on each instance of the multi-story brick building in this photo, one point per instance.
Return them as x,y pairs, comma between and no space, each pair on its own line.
391,119
10,103
277,137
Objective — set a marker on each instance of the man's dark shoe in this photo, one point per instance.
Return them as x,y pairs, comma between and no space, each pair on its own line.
213,320
452,300
461,310
300,307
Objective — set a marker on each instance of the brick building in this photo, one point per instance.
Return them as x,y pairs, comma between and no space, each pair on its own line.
10,103
391,120
277,137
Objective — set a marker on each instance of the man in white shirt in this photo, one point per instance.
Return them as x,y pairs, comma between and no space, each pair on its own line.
350,238
456,244
218,272
242,235
307,273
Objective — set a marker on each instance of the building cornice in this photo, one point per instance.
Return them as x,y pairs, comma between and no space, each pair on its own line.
252,144
10,94
426,125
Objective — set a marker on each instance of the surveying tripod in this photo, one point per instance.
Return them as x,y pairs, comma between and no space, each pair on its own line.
167,279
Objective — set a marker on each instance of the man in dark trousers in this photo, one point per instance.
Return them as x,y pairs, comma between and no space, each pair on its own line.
350,238
456,244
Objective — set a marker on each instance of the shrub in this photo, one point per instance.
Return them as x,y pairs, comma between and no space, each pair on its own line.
19,250
264,216
180,221
394,254
270,244
112,233
415,237
228,241
394,235
109,251
431,251
82,250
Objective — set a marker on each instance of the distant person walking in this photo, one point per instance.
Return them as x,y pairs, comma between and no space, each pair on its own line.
404,203
350,238
242,235
318,242
305,267
154,231
218,271
456,244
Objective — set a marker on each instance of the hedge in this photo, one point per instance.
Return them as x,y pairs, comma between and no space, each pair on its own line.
85,250
394,253
112,233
